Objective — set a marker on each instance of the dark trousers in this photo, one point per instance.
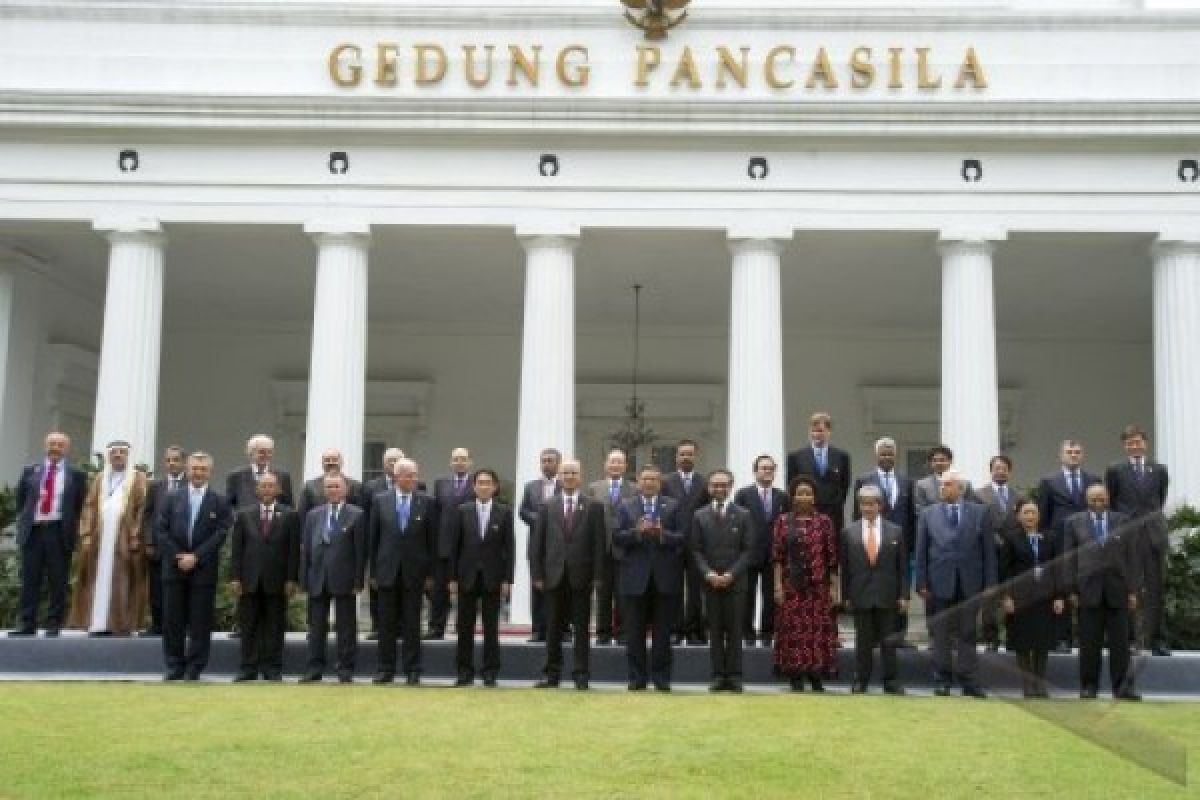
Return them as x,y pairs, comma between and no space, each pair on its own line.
473,600
537,611
400,616
726,610
155,582
439,598
44,557
566,603
1153,627
346,627
760,580
874,627
1064,628
188,608
690,621
1032,664
262,618
656,611
373,607
1098,627
608,616
952,627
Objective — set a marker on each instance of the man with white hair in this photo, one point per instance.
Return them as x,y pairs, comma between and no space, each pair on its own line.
956,569
241,485
379,485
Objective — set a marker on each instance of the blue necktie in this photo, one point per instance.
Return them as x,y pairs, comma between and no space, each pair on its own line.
614,492
402,512
327,534
820,461
648,508
194,509
953,515
887,487
1033,545
1003,497
1098,529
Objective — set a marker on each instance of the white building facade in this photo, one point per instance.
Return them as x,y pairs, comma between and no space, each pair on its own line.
351,223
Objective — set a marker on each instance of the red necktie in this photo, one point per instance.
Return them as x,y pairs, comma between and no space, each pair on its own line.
265,524
569,520
47,506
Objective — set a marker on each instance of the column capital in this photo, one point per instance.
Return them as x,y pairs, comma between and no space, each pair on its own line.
335,229
130,228
767,233
1175,242
955,238
546,233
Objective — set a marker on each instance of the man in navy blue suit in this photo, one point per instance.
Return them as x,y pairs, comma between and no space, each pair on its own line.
190,531
956,568
50,498
650,577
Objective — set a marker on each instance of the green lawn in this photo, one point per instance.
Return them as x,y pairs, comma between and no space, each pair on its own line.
116,740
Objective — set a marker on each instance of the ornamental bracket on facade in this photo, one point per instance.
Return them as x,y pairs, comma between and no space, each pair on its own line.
656,17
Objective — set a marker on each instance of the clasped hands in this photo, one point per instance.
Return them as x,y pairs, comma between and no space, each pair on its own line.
719,580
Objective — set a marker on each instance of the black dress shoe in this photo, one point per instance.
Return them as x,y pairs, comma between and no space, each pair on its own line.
993,647
546,683
797,684
905,644
603,641
637,686
345,677
150,633
434,636
273,677
858,688
942,690
621,641
21,632
310,677
716,686
893,689
383,677
464,680
489,681
734,686
766,641
191,676
537,638
582,684
662,687
1128,695
974,691
1087,694
412,679
372,636
817,684
245,675
749,641
1063,648
173,675
52,633
677,639
99,634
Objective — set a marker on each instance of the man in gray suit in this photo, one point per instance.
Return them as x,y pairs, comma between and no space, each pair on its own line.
956,567
874,566
927,491
1000,499
1138,488
610,492
568,547
721,545
1103,576
537,492
333,559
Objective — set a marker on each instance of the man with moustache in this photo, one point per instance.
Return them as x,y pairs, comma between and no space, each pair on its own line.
536,494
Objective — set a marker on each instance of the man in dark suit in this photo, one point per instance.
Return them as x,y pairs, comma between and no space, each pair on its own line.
650,577
450,493
1103,576
765,504
49,501
240,484
264,568
689,489
537,492
482,560
1000,499
956,566
1138,488
403,547
899,508
189,531
313,494
333,558
378,485
874,567
568,549
721,543
1061,495
157,491
610,491
828,466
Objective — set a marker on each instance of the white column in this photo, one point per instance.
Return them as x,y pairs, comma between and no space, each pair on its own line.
755,356
970,411
127,385
546,411
338,368
1177,365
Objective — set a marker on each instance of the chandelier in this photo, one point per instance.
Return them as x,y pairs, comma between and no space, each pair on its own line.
634,432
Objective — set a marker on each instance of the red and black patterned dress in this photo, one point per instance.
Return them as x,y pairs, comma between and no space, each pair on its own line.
805,629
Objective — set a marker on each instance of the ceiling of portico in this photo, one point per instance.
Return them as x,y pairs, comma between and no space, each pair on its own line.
1047,285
